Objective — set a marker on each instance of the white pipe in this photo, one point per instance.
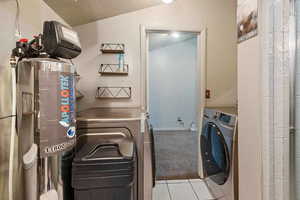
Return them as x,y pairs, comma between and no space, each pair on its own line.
30,172
12,136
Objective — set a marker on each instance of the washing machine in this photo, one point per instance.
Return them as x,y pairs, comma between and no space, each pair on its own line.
218,144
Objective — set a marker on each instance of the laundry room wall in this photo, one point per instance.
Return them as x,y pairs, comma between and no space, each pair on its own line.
217,16
172,85
32,15
249,118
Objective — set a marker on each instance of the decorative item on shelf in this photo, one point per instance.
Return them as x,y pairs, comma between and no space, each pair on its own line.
78,94
114,69
112,48
113,93
77,77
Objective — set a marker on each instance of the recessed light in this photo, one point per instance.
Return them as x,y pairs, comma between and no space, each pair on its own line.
175,35
167,1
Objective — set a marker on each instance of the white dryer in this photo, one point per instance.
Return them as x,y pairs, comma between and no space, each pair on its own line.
219,153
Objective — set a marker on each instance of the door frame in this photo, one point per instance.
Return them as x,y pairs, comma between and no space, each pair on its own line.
201,68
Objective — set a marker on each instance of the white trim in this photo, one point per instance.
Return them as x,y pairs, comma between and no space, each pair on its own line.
201,63
12,137
171,29
143,43
173,129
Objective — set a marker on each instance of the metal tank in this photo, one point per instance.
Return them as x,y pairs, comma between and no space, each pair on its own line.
45,127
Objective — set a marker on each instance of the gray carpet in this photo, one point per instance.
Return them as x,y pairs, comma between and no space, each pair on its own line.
176,154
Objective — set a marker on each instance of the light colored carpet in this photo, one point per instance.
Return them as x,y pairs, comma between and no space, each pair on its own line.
176,154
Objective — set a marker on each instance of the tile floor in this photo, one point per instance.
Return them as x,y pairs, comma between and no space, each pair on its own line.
192,189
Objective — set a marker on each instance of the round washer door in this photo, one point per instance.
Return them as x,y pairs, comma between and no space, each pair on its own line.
215,154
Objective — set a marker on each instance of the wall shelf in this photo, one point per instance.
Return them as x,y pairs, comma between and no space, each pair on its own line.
114,69
114,48
113,93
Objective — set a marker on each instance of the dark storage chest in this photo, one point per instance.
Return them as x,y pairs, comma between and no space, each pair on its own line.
104,170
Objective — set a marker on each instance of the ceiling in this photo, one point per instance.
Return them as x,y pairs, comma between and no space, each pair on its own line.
159,40
78,12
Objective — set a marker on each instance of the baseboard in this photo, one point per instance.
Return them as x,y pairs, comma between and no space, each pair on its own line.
172,129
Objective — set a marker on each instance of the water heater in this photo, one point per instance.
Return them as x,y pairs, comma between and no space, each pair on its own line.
46,119
43,115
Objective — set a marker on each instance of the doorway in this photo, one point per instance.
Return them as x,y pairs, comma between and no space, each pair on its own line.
174,73
173,103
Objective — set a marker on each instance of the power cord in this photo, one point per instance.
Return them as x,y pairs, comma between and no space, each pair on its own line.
17,21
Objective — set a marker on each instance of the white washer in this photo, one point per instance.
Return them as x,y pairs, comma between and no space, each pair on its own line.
219,153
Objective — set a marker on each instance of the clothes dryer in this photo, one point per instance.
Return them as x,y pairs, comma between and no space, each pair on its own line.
218,152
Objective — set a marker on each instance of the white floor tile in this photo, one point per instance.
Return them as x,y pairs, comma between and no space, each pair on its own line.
182,191
201,190
177,181
161,192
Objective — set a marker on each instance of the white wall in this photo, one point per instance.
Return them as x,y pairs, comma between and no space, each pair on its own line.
172,85
217,16
249,113
33,14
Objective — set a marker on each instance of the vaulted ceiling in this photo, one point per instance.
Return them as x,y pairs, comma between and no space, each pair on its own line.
77,12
